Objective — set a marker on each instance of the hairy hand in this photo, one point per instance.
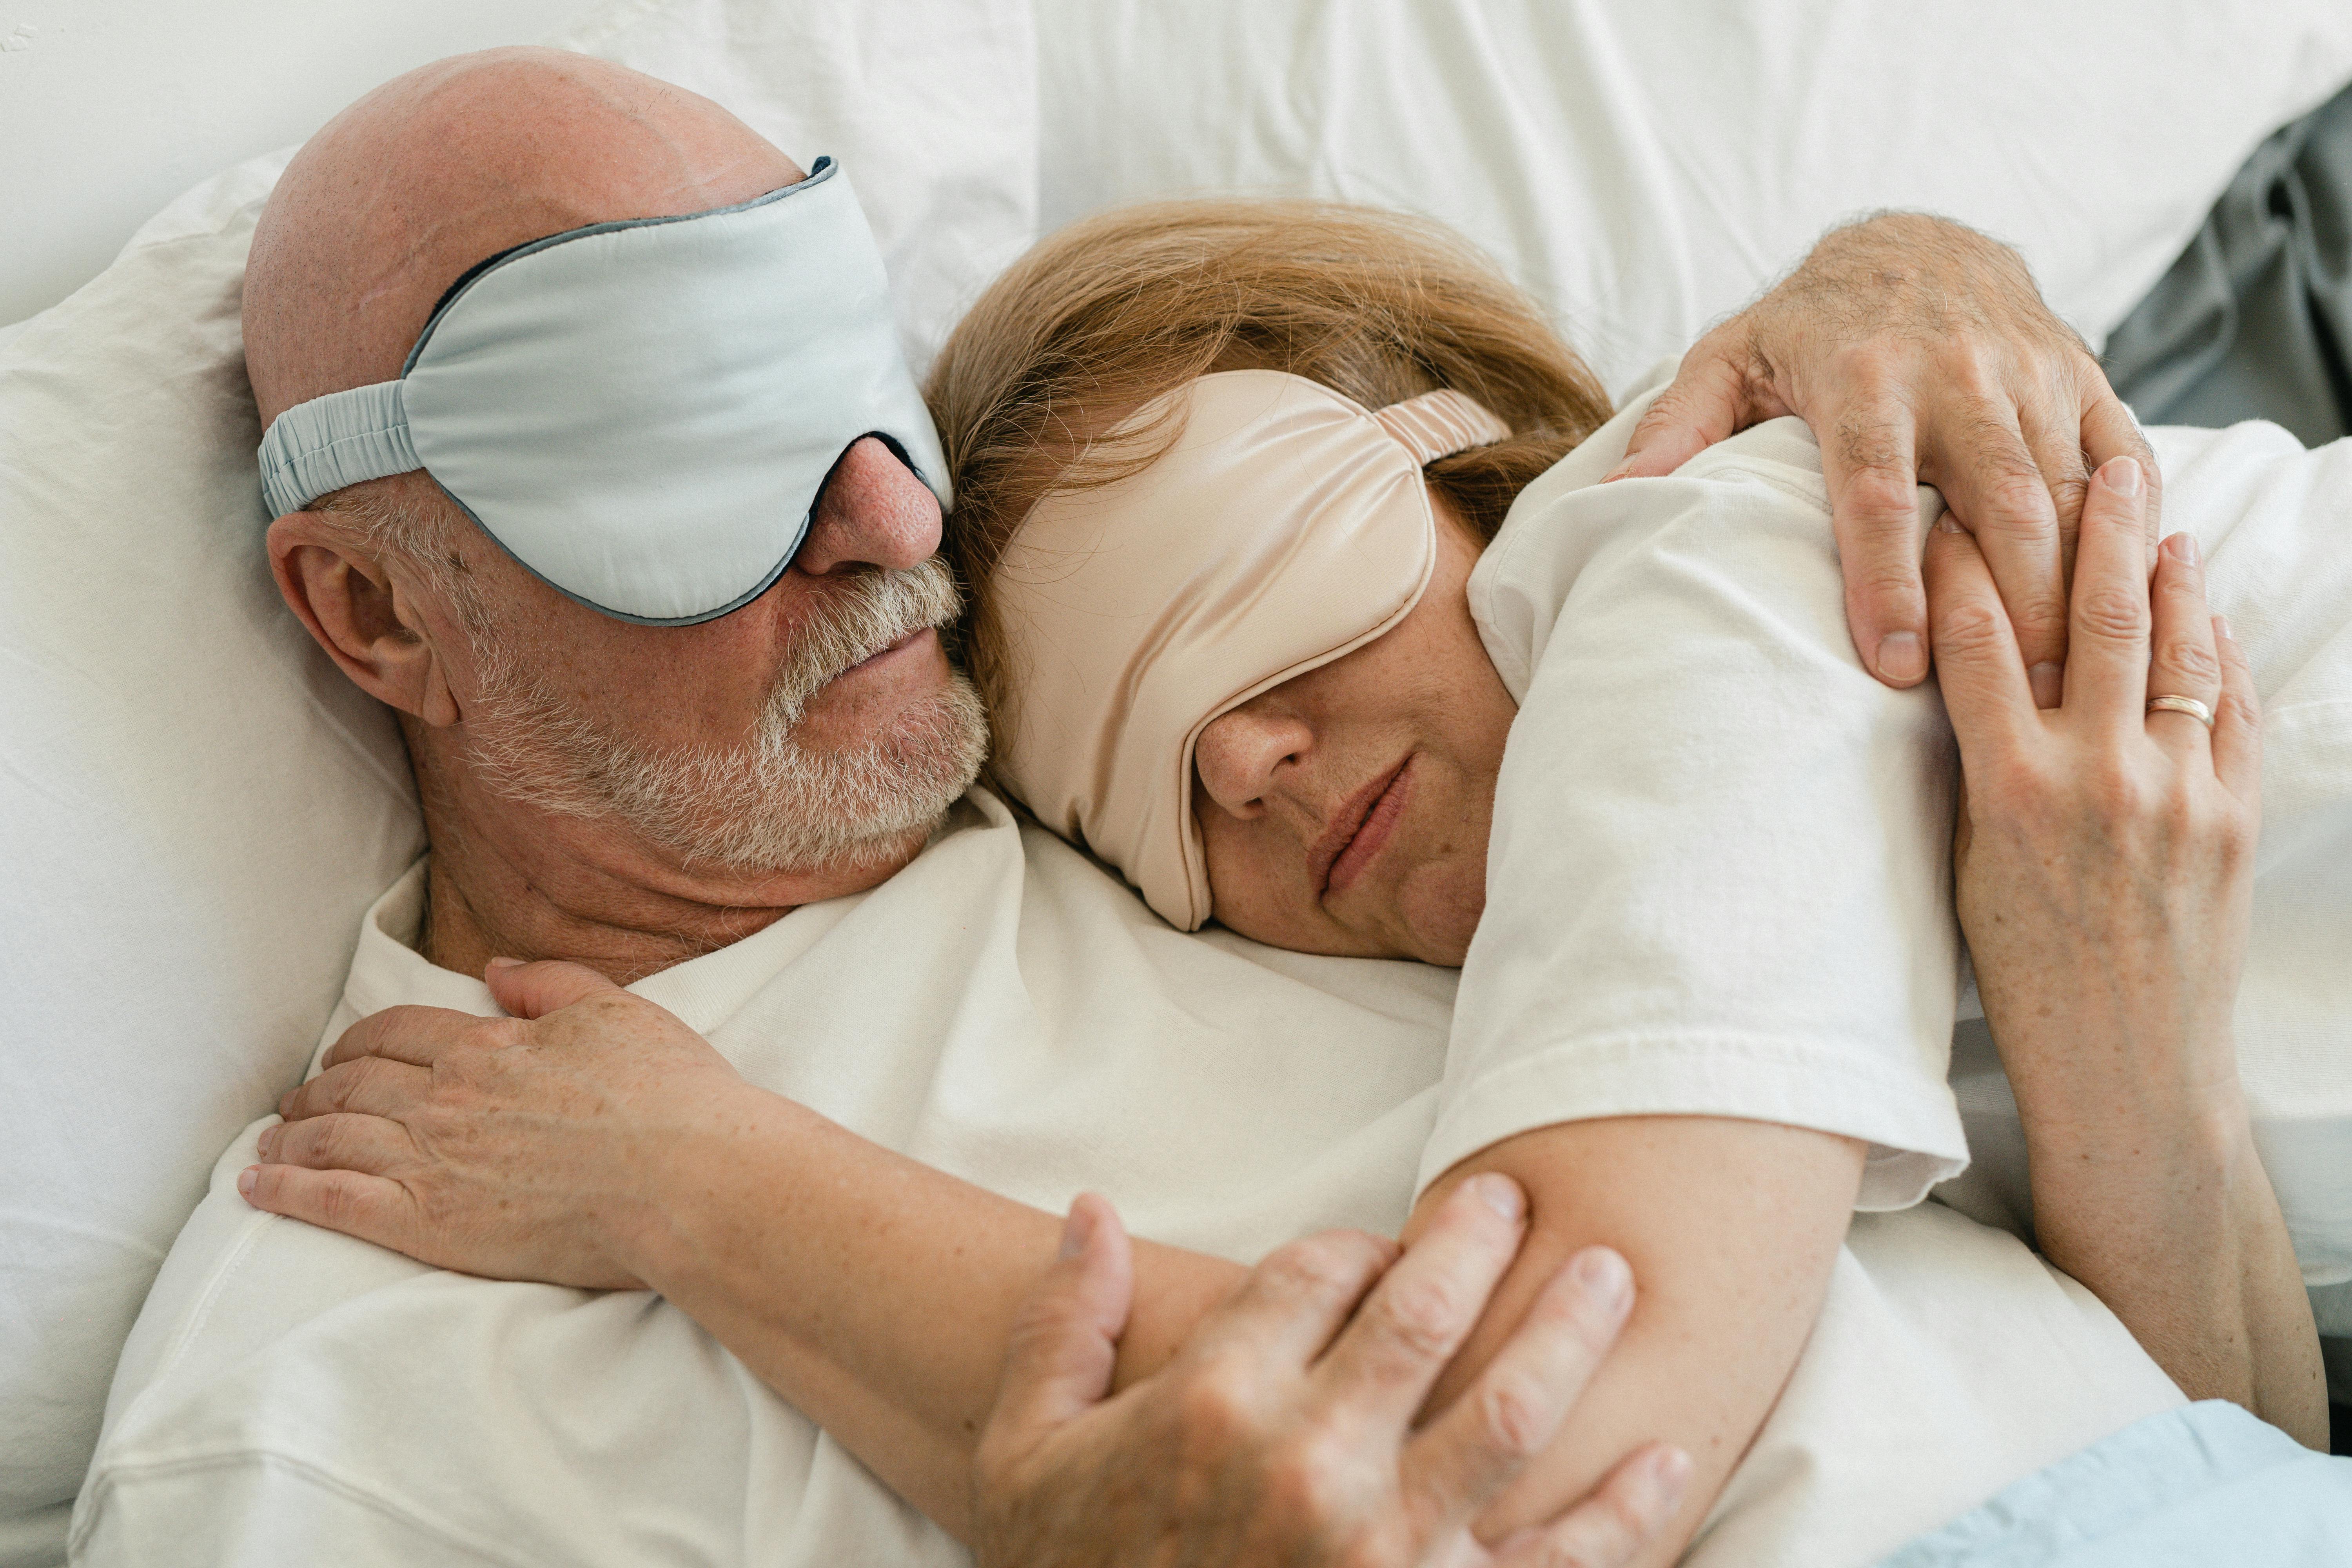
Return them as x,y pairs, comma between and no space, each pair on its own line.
521,1148
1285,1432
1919,352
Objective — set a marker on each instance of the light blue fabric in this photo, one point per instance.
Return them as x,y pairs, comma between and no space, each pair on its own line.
644,414
333,441
2206,1486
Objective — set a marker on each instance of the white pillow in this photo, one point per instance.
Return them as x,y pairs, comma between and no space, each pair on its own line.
1643,170
195,806
933,111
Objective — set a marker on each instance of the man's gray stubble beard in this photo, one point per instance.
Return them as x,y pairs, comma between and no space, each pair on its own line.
771,804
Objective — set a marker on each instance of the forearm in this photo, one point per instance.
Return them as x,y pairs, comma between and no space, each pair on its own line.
2159,1206
873,1293
1732,1228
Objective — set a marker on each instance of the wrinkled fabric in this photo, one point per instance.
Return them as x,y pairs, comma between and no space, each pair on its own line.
2255,320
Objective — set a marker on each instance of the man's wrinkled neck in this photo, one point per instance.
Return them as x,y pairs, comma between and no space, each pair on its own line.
513,880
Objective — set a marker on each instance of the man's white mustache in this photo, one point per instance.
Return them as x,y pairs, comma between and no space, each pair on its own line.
859,619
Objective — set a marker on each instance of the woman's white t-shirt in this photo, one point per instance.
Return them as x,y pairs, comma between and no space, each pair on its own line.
1720,879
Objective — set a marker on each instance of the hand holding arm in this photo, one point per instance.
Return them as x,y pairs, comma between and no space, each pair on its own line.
2104,869
1919,350
1283,1431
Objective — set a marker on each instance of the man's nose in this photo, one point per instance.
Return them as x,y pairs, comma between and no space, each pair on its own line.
1239,754
875,512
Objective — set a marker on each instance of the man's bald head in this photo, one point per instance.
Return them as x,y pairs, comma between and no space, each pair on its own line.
391,203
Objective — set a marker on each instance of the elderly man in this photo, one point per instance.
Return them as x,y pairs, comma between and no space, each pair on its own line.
601,474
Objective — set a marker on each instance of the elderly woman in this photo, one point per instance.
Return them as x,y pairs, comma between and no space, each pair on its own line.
1285,523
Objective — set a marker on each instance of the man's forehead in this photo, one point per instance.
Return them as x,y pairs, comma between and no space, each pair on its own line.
398,196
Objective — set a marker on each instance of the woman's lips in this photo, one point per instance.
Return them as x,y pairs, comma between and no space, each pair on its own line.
1359,828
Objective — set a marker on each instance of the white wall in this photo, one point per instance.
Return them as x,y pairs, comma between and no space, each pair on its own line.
110,108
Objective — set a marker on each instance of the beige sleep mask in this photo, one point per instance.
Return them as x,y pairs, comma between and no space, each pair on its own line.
1285,526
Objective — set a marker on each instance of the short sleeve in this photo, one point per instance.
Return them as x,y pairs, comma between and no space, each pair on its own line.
1720,878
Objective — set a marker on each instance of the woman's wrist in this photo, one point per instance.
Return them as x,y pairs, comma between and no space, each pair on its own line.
2105,1065
717,1184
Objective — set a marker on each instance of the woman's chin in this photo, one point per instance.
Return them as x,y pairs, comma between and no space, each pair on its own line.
1440,921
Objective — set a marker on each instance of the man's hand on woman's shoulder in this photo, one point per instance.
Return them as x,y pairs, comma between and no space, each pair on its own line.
1920,351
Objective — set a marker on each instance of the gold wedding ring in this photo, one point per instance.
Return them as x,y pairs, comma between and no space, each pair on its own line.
2188,705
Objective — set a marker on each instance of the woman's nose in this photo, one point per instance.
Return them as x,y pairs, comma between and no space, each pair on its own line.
1240,755
874,512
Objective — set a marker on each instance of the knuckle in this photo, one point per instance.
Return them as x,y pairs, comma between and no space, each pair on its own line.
2112,612
1515,1416
2039,618
337,1201
2017,501
1882,581
1872,444
1330,1259
1970,629
1212,1411
1305,1488
1882,504
1871,367
2117,794
2069,490
1420,1318
2190,659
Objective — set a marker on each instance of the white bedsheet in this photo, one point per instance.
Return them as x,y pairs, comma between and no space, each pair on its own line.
1643,169
293,1395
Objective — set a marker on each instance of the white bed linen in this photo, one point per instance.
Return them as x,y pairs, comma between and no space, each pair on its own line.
293,1395
1643,169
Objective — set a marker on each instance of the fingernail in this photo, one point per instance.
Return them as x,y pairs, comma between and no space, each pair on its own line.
1902,657
2049,683
244,1180
2221,625
2121,475
1604,1277
2183,547
1077,1230
261,1144
1500,1193
1619,472
506,963
1947,522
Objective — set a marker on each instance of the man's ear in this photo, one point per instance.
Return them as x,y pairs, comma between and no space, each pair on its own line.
366,622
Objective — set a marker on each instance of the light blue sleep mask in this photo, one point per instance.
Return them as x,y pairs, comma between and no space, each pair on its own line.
644,414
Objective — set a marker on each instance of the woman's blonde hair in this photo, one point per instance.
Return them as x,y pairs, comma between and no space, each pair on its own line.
1114,310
